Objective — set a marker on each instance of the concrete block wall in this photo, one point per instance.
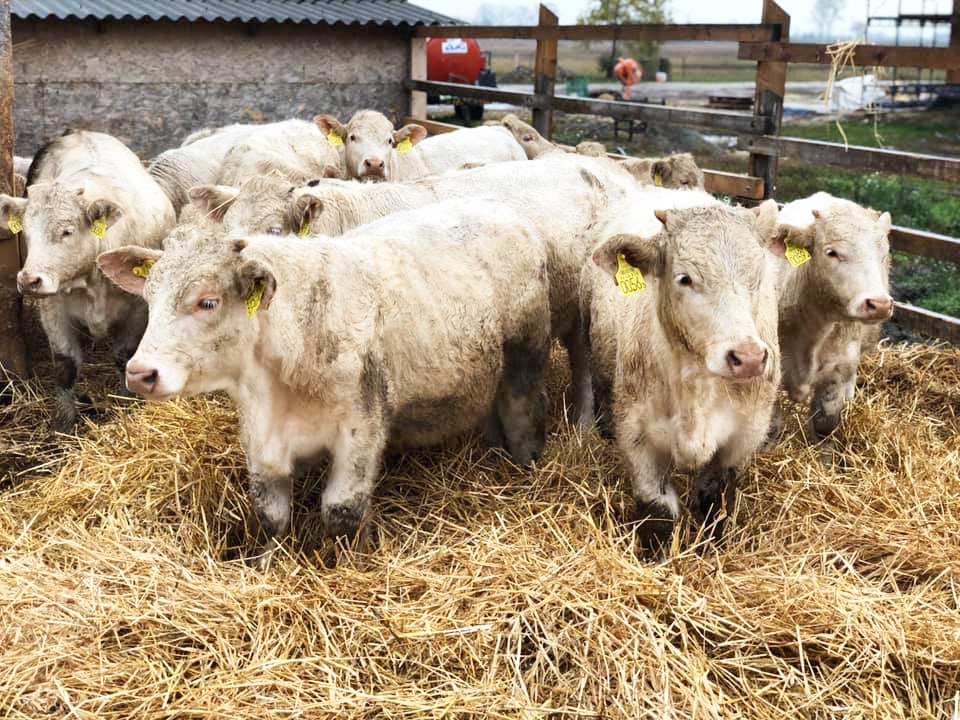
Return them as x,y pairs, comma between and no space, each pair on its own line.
152,83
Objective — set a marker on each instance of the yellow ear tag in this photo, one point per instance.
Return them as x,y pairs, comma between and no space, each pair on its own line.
99,227
405,145
658,180
304,228
334,139
796,256
143,270
15,223
629,278
253,300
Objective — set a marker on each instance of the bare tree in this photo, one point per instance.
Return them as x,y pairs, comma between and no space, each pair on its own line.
825,14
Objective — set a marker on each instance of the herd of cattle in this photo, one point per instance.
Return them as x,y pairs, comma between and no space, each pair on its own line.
352,317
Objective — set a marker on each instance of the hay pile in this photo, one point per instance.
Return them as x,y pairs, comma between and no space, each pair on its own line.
490,591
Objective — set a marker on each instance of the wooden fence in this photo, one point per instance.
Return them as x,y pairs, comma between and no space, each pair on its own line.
758,132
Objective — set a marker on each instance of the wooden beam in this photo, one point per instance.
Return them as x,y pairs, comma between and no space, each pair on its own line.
927,322
897,162
771,86
931,245
937,58
13,357
735,122
418,71
656,32
545,74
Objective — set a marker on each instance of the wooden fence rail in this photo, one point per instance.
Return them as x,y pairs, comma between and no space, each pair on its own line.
767,44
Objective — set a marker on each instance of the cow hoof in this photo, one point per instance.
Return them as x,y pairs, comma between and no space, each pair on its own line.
652,526
342,521
823,424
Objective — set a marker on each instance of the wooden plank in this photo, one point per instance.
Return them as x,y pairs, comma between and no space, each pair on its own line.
856,156
737,122
13,357
545,74
931,245
927,322
418,71
727,32
771,84
939,58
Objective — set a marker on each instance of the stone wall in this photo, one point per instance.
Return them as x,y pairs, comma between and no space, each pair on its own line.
152,83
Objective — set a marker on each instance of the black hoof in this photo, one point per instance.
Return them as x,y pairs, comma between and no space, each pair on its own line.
341,521
652,526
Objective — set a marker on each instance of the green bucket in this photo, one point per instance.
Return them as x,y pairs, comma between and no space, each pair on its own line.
578,86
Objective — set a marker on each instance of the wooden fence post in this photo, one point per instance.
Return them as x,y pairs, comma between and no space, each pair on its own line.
771,86
545,74
953,76
418,71
13,357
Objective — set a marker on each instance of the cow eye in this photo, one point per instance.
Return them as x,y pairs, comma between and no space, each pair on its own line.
390,142
831,253
67,232
274,230
352,137
208,304
684,280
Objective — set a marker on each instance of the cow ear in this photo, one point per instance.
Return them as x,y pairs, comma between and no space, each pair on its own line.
328,124
103,209
332,171
213,200
12,209
766,214
885,222
303,212
257,286
644,254
803,237
415,133
128,266
641,169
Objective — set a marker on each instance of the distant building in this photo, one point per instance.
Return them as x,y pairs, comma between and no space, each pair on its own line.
152,71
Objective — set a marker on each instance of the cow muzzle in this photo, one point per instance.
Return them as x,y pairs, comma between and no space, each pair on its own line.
39,284
373,169
142,378
746,361
873,308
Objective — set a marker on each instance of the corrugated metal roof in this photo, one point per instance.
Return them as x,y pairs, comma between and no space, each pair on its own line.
319,12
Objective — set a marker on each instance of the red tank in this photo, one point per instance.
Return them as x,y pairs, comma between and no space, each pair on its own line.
456,60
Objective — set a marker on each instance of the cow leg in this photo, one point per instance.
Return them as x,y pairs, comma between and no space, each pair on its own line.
603,406
578,353
521,404
716,494
271,495
67,358
656,505
827,404
353,474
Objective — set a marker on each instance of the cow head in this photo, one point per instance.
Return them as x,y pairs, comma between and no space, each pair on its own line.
369,141
707,269
205,303
64,230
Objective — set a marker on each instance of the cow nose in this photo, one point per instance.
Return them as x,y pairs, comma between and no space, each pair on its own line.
141,378
747,360
27,283
374,165
880,306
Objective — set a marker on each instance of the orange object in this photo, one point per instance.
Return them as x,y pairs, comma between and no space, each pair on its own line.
454,60
627,71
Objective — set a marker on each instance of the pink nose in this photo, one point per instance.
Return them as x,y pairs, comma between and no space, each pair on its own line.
879,307
27,283
141,378
373,166
747,360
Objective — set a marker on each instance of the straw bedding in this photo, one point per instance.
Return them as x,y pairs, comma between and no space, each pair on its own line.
484,590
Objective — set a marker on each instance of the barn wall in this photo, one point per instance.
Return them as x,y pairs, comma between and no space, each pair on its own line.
152,83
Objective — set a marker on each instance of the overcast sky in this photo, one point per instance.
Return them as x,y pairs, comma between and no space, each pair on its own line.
712,11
